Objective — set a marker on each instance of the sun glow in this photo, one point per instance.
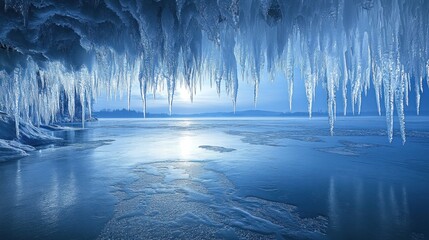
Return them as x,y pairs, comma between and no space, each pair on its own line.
182,94
186,146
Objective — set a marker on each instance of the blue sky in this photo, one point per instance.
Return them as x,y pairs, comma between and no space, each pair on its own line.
273,96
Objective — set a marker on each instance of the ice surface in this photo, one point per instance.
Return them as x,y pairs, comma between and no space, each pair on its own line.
208,207
217,148
56,57
274,187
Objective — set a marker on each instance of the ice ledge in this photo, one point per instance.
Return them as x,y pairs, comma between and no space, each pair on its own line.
29,138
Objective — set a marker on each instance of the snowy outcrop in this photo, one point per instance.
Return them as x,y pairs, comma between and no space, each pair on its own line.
83,48
30,137
13,150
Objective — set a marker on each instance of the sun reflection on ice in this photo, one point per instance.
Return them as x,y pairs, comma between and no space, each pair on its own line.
186,146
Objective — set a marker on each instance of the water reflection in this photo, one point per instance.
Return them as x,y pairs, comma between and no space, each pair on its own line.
61,194
359,203
364,213
333,206
405,206
51,192
381,206
18,183
48,203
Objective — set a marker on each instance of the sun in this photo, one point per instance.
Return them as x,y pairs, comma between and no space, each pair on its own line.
182,94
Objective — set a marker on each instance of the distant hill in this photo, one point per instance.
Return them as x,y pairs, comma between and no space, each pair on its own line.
117,114
123,113
248,113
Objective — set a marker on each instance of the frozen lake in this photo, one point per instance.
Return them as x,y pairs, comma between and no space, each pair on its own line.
222,178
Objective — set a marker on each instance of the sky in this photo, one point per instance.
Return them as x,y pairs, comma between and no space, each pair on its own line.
273,96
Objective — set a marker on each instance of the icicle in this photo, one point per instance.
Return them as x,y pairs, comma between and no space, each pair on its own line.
82,80
309,85
417,92
366,62
377,76
401,88
171,85
427,73
16,89
289,72
345,82
255,92
333,75
143,89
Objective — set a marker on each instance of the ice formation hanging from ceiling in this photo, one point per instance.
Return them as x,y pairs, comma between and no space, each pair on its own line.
55,52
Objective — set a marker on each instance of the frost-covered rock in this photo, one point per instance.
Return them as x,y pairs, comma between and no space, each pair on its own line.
13,150
30,137
28,134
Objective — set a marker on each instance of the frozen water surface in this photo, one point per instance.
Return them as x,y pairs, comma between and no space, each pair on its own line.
283,178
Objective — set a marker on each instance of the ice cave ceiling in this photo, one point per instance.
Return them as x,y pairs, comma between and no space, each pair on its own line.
54,54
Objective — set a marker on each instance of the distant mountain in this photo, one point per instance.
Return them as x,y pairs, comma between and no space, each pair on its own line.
248,113
123,113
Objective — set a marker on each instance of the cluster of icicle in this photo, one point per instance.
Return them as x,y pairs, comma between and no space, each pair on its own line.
94,46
